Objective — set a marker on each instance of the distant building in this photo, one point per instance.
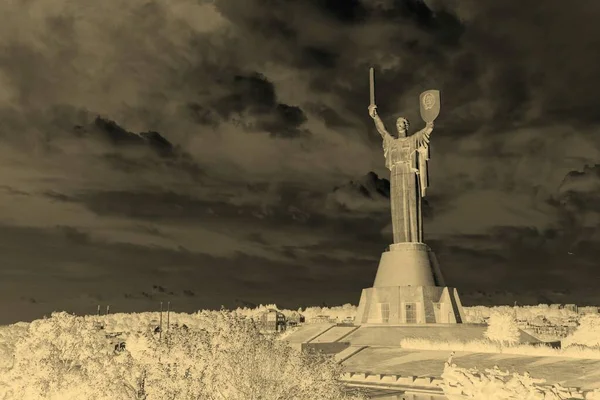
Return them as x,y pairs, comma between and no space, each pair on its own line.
540,320
522,324
588,310
272,320
295,318
98,325
571,307
321,319
116,340
572,322
557,331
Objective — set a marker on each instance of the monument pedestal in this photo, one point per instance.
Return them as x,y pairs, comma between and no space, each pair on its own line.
409,289
408,264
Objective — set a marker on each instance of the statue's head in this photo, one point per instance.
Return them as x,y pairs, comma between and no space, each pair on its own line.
402,127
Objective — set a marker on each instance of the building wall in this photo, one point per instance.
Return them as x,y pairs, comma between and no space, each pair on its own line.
396,297
432,295
272,321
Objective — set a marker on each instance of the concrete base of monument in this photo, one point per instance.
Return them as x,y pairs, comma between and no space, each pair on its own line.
394,305
408,264
354,339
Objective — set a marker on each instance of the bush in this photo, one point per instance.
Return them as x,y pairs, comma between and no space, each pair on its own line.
487,346
587,333
495,384
502,328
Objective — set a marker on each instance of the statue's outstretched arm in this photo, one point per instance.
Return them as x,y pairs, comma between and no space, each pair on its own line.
380,127
422,147
422,137
378,122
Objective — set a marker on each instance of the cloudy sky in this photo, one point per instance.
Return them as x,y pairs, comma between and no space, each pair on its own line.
210,152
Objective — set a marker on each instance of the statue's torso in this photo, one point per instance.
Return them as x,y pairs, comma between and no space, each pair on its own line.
400,150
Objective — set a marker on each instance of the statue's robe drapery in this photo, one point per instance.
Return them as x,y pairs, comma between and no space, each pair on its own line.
407,158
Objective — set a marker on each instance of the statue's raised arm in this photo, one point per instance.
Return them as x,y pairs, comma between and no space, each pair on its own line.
373,108
422,137
429,102
378,122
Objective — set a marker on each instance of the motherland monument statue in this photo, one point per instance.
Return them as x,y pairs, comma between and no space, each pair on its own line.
406,157
409,286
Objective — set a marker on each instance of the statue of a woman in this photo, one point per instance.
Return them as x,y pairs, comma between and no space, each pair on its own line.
406,157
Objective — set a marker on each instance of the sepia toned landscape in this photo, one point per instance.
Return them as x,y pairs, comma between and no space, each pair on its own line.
299,199
269,353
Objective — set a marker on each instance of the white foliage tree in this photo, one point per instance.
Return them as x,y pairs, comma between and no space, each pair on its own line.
247,365
228,359
217,356
65,357
587,333
502,328
8,339
172,368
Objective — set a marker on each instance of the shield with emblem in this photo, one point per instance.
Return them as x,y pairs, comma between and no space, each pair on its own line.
429,102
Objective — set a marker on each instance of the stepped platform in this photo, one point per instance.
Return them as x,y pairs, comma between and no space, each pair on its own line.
335,334
307,333
386,361
390,335
372,358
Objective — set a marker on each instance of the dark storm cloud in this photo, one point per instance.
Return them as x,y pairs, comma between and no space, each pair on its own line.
551,50
583,182
368,194
330,117
399,40
340,40
68,130
577,197
77,275
13,191
296,213
253,92
120,137
75,235
494,72
173,207
202,71
515,259
345,11
405,37
172,157
255,95
65,273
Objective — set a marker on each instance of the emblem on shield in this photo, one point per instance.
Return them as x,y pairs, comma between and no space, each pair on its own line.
429,102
